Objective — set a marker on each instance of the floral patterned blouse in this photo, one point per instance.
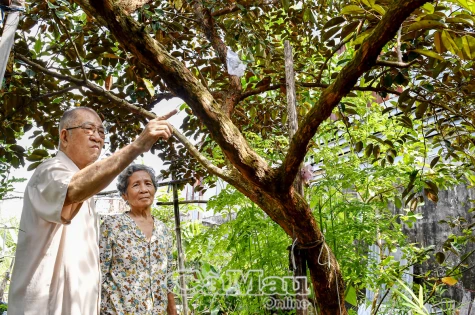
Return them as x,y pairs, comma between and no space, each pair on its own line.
135,272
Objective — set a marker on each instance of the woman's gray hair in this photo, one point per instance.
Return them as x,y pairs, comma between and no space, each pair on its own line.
123,179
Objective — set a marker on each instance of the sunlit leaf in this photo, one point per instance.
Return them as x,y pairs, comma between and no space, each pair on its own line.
428,53
350,296
449,280
352,9
149,86
449,43
426,24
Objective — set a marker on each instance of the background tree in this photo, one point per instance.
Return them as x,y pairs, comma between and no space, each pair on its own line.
125,57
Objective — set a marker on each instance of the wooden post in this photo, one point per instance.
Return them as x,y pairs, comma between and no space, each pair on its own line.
292,119
8,37
300,272
181,260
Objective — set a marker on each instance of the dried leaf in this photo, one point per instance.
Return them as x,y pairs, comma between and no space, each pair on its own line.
449,280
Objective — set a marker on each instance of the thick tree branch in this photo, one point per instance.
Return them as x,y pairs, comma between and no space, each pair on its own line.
134,109
183,84
206,21
364,59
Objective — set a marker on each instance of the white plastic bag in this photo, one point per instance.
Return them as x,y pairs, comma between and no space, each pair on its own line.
235,65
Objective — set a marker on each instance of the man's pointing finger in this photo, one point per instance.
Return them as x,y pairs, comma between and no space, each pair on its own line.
168,115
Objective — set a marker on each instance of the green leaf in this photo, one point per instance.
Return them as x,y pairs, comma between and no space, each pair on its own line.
286,5
378,9
426,24
467,4
32,166
369,150
34,158
468,43
352,9
429,7
376,151
361,37
421,109
40,152
434,161
149,86
448,42
330,33
335,21
48,144
459,20
428,53
52,6
397,202
439,46
350,296
37,142
38,45
440,257
17,148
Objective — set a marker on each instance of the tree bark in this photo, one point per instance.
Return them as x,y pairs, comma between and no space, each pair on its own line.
300,270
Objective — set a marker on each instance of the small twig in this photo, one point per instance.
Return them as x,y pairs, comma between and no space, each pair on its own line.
182,16
398,45
69,88
378,76
395,64
258,90
461,262
58,20
381,302
338,47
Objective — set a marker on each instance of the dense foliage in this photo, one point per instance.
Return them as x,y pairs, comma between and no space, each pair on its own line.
122,58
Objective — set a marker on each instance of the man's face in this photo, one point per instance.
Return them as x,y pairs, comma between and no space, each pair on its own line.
81,148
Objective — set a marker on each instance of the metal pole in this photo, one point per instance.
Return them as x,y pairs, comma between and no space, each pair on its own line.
181,260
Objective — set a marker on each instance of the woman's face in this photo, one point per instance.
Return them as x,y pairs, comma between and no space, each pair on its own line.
140,191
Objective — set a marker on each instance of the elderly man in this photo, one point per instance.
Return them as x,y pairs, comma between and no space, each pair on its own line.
57,267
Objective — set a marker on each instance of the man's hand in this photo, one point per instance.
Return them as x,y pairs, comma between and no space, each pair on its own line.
156,128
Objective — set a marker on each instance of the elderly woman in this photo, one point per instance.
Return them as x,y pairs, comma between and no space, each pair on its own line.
135,251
